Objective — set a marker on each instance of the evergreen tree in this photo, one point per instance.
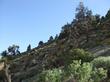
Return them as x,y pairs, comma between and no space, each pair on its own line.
4,53
13,50
29,47
83,20
88,25
50,39
56,37
97,18
40,43
81,11
65,31
108,14
102,19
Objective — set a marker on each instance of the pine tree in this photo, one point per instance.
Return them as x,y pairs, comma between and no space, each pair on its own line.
56,37
13,50
50,39
4,53
29,48
40,43
108,14
83,20
80,12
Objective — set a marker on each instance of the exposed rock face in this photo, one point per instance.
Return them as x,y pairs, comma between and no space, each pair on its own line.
4,73
102,50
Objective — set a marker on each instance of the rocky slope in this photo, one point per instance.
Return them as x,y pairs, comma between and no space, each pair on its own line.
28,65
32,63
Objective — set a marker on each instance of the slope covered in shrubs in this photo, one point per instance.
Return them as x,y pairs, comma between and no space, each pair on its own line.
67,57
75,72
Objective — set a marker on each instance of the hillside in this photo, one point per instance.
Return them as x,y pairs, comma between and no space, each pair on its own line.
87,32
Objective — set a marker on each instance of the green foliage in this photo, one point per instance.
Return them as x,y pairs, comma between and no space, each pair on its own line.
28,48
65,31
54,75
80,54
108,14
75,54
50,39
101,62
77,62
98,74
13,50
85,72
41,43
56,37
97,18
81,72
77,71
4,53
81,12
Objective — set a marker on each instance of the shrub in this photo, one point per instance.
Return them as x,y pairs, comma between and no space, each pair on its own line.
76,71
85,72
98,74
101,62
75,54
81,72
80,54
54,75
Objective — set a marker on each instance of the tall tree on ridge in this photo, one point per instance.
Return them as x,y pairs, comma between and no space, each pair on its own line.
29,48
83,20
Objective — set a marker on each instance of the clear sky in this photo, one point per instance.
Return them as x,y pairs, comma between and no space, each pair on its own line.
24,22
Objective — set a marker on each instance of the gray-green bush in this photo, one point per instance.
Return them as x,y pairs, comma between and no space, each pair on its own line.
101,62
80,72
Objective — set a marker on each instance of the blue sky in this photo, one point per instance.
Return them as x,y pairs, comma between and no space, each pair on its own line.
24,22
